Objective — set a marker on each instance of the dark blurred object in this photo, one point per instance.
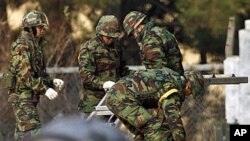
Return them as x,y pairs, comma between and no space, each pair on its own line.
74,128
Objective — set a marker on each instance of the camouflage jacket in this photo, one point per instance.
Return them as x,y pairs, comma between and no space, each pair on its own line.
99,63
149,85
159,48
28,66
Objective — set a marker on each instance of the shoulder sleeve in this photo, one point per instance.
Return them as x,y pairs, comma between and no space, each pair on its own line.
167,90
25,76
152,51
87,67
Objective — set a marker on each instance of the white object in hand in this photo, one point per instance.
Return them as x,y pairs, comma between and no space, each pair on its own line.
51,94
59,83
107,85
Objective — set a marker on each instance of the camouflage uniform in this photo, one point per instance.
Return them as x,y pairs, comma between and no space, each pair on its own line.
131,98
158,47
31,80
98,63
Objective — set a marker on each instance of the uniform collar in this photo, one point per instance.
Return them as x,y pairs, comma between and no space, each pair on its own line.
144,31
28,35
100,41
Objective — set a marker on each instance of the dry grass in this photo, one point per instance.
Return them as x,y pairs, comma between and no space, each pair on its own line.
200,116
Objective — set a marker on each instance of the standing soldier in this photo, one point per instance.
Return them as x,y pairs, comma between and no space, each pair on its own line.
164,89
100,63
158,47
29,77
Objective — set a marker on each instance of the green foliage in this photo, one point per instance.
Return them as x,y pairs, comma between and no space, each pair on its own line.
244,7
98,4
209,14
205,22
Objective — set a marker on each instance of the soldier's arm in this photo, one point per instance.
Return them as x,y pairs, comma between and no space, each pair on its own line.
174,57
170,102
47,79
152,53
87,69
25,76
123,69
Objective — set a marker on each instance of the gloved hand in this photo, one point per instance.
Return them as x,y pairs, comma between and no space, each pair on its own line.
107,85
59,83
51,94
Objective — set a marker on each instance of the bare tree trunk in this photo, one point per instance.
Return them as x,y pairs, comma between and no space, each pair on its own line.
3,14
230,37
203,58
4,36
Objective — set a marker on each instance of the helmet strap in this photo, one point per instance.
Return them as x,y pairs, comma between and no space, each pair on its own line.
33,31
99,36
138,29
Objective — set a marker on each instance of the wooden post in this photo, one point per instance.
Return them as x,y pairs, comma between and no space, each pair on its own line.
230,37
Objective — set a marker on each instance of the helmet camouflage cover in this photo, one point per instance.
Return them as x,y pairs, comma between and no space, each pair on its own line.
35,18
132,20
108,26
197,82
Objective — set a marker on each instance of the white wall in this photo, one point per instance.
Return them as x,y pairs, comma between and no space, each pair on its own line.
238,96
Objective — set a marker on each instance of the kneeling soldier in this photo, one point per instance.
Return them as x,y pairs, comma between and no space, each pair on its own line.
132,97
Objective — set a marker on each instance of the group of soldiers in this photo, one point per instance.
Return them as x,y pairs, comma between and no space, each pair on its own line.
148,102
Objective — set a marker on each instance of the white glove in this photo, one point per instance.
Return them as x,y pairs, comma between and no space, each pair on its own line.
107,85
58,83
51,94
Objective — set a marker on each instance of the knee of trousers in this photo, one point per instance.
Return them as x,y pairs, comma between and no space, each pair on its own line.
29,126
113,102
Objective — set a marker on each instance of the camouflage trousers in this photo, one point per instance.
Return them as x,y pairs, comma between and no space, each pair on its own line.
172,112
27,119
89,99
166,125
156,130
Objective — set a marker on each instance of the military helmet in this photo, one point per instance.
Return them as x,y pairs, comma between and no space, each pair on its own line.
108,26
197,82
35,18
132,20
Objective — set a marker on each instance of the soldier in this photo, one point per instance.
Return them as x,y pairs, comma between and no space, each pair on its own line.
28,71
158,47
100,63
131,98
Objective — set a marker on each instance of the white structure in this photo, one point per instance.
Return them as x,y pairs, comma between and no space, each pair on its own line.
231,66
244,97
238,96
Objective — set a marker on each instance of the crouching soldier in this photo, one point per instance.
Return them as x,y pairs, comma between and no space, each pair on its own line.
100,63
131,98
